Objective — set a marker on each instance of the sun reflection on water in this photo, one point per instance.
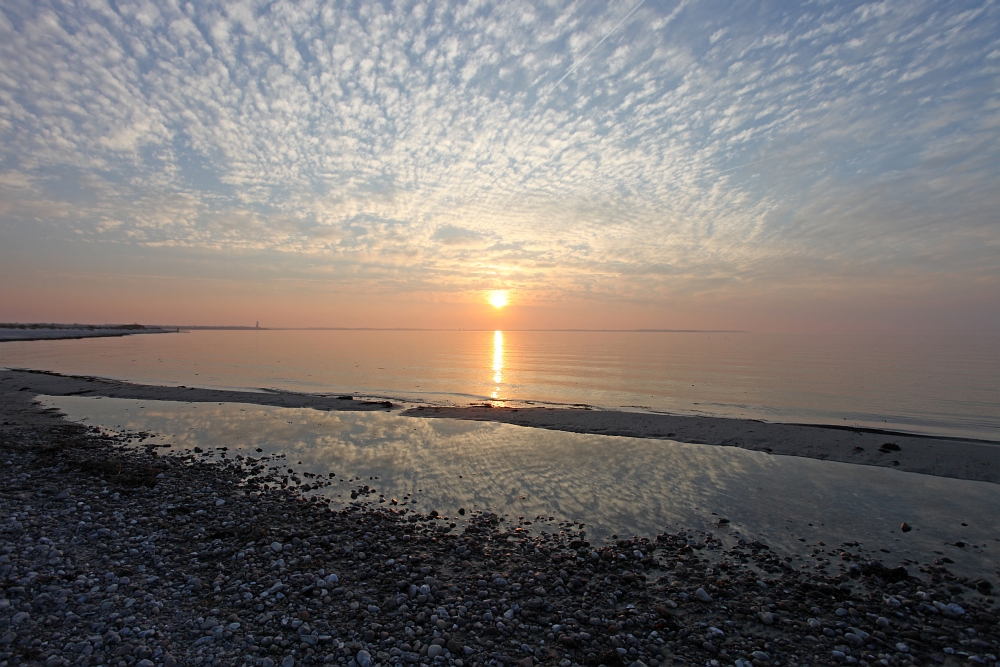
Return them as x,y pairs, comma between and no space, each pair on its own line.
497,368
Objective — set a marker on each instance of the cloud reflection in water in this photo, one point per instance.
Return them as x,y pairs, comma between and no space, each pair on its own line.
614,484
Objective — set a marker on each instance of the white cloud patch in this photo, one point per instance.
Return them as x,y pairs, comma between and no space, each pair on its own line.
697,147
457,236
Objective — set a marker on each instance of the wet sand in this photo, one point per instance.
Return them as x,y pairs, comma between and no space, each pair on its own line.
943,457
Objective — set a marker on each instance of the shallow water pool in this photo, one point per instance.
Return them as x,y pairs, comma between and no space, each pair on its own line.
614,485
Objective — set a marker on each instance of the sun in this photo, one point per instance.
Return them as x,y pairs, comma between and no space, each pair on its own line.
498,298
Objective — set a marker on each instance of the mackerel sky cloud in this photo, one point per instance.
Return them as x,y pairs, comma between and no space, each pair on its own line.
703,155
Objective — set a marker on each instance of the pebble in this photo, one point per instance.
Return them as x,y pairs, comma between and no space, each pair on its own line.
140,562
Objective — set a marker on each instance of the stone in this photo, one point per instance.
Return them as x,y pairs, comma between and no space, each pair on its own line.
278,601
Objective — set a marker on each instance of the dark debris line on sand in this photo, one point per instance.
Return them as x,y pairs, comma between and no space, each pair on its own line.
117,556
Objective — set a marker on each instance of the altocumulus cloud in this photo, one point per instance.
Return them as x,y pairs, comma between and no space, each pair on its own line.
700,145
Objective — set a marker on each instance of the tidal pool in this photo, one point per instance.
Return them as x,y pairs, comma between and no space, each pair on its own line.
614,485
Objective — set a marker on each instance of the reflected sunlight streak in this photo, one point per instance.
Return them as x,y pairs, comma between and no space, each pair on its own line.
497,363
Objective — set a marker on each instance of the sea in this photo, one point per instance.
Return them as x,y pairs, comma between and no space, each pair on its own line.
534,478
932,385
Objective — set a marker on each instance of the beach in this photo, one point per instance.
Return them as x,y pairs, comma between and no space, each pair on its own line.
115,553
942,457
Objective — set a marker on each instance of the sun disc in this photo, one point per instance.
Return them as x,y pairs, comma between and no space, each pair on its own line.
498,298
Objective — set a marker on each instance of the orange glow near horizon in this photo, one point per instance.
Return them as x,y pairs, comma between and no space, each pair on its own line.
498,298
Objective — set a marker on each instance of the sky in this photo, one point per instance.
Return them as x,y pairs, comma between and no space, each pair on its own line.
763,166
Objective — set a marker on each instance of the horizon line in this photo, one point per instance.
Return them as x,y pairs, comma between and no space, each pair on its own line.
246,328
238,327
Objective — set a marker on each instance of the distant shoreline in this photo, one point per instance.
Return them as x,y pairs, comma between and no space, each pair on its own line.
977,460
235,328
10,334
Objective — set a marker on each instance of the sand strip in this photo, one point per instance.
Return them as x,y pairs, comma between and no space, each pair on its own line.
943,457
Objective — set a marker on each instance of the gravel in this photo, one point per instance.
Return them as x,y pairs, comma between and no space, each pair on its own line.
116,555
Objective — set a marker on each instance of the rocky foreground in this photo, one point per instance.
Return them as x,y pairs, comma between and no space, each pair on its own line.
115,555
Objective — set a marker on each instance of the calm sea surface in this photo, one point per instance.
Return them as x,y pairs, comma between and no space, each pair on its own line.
925,384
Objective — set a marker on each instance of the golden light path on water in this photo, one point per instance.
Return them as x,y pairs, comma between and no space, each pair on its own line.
931,385
497,366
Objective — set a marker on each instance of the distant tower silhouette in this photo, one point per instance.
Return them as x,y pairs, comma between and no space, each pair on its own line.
258,325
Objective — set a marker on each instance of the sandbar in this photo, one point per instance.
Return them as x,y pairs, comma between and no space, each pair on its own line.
957,458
